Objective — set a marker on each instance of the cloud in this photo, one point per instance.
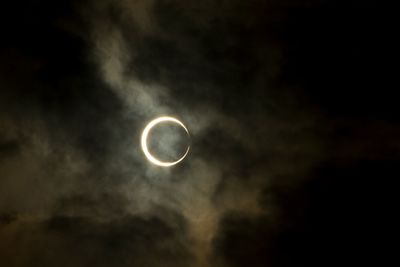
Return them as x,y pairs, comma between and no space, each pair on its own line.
152,69
128,241
80,81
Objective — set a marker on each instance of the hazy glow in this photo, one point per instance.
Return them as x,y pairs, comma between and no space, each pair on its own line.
145,134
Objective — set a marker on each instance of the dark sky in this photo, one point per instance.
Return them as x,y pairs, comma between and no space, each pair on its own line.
294,133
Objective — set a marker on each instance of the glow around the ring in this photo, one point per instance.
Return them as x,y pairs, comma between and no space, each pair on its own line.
145,134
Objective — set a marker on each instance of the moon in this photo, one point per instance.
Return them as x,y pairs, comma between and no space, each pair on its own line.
145,134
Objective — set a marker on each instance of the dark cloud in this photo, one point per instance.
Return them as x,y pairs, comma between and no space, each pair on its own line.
292,132
334,217
66,241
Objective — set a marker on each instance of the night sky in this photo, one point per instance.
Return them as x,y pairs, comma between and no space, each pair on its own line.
294,133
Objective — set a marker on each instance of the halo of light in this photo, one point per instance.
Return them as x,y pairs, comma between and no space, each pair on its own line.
145,134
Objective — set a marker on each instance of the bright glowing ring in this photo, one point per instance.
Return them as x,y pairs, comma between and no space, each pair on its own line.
145,134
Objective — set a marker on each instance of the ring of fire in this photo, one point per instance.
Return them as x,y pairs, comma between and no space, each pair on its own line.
145,135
